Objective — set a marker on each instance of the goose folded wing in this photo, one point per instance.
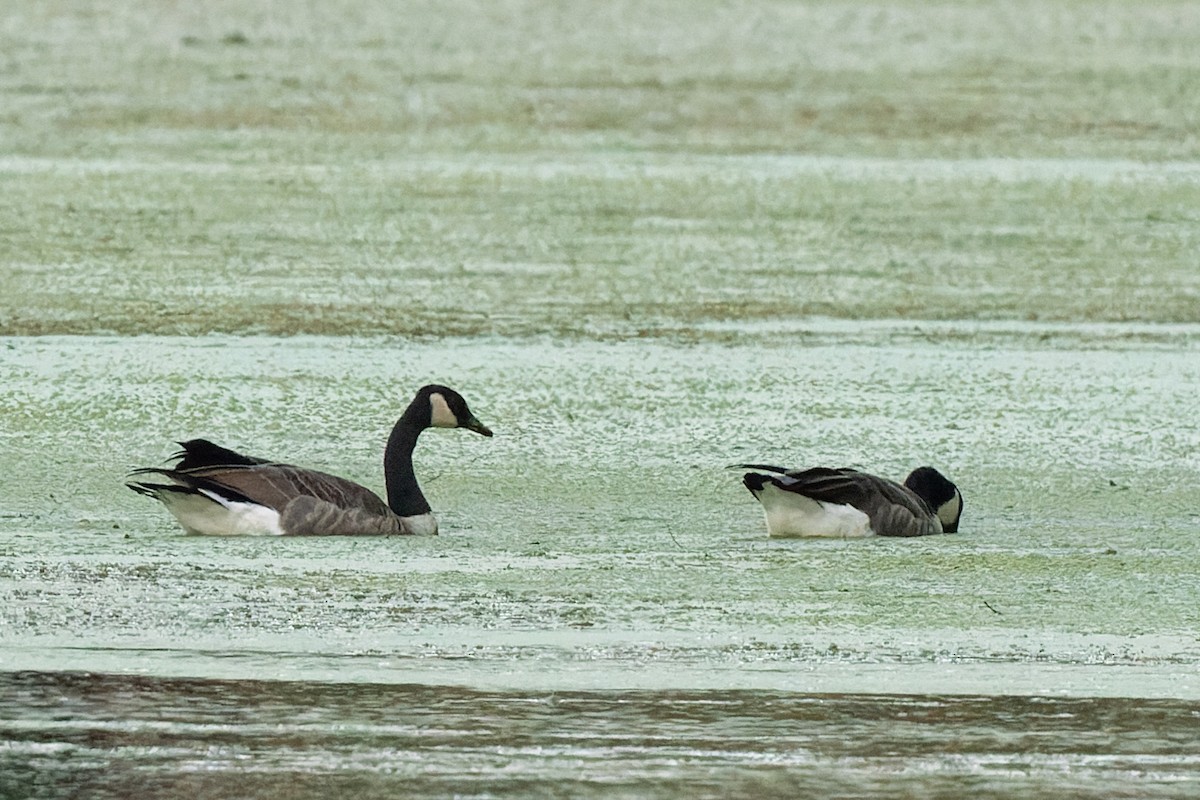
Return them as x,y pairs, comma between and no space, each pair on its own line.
309,516
839,486
277,485
893,519
892,508
901,512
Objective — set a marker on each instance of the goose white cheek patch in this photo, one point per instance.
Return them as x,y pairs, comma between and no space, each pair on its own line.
440,414
949,511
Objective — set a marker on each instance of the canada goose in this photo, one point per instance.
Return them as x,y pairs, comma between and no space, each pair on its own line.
849,503
220,492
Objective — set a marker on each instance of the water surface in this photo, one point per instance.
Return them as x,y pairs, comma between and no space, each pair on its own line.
603,611
117,737
645,240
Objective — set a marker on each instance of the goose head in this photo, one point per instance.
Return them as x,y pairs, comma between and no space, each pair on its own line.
442,407
942,496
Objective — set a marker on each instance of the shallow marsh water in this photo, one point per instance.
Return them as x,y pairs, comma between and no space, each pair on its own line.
646,240
603,609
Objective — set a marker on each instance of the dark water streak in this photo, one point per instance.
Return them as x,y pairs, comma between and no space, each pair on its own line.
100,736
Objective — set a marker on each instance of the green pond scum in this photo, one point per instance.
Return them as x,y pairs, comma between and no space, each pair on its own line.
645,241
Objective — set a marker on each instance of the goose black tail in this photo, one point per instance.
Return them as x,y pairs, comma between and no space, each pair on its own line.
755,481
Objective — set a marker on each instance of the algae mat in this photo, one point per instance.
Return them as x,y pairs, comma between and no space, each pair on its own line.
598,541
645,240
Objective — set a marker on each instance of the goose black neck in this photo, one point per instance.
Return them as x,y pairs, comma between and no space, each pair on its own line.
403,494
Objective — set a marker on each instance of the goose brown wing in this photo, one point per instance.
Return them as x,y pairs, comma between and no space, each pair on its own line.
840,486
277,485
308,516
896,511
893,509
893,519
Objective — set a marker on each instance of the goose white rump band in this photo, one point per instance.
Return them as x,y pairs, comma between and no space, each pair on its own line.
790,515
209,514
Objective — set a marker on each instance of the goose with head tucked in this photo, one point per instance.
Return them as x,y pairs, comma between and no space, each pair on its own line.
846,503
216,491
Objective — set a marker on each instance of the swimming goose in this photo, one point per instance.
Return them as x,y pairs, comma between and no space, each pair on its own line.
849,503
219,492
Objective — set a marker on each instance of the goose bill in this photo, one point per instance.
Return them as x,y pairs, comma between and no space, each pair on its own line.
473,424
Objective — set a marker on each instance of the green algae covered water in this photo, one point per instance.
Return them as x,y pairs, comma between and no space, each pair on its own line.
603,613
646,241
